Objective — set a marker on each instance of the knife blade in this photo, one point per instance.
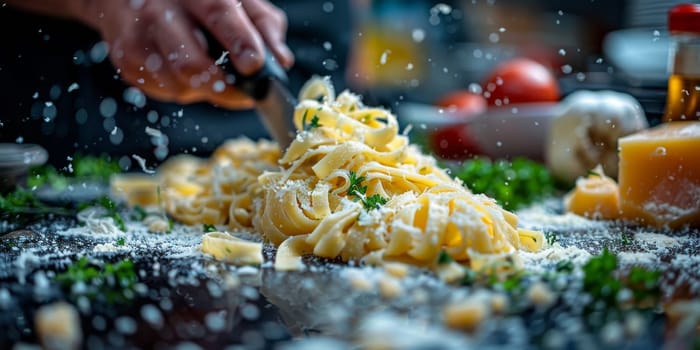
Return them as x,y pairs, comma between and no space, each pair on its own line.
274,102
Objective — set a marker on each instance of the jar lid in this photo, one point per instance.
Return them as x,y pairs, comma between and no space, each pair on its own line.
684,18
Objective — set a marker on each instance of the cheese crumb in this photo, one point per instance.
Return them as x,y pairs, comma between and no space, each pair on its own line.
397,270
58,326
451,272
359,282
156,224
389,287
499,303
540,295
467,314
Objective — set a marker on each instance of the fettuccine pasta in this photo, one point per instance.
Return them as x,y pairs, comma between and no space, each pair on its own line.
349,186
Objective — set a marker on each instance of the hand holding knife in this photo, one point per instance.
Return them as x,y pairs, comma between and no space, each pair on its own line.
274,102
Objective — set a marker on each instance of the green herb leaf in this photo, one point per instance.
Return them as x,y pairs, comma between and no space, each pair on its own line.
139,213
593,173
599,280
356,189
112,283
107,203
603,282
564,266
444,258
625,239
469,277
551,237
120,241
22,201
208,228
96,168
312,125
513,184
82,167
374,201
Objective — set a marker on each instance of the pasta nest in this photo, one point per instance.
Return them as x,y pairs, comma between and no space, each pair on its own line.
349,186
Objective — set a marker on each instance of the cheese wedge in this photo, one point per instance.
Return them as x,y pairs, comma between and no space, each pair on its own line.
595,197
660,175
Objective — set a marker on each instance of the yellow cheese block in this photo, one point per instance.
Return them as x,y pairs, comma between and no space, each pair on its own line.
660,175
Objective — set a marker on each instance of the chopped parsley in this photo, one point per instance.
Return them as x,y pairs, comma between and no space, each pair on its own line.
139,213
565,266
599,280
603,283
551,237
208,228
444,258
469,277
513,184
374,201
366,118
356,189
311,125
592,173
81,168
359,191
625,239
23,201
112,282
120,241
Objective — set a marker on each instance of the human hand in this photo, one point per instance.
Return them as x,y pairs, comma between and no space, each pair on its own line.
158,46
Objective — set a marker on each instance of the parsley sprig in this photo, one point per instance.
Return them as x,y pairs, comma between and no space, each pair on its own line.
551,238
81,168
311,125
374,201
356,189
23,201
359,191
444,258
139,214
113,282
513,184
603,282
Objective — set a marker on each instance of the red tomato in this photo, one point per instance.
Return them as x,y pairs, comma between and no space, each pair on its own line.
464,101
520,80
453,142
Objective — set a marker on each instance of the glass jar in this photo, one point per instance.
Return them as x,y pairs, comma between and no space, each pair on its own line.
683,101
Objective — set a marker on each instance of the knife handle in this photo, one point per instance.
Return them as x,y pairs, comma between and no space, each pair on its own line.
255,85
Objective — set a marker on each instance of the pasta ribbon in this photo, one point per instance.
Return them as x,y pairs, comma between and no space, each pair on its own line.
225,247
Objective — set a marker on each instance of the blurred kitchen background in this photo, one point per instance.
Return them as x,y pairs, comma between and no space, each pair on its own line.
58,88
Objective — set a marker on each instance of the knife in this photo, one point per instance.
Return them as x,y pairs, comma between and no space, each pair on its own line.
274,102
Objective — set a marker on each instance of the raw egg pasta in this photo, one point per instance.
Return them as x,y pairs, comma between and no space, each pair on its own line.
349,186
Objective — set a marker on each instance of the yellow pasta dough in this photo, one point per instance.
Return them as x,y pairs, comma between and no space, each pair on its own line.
349,186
